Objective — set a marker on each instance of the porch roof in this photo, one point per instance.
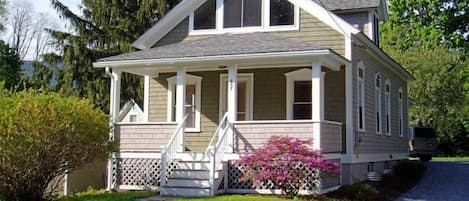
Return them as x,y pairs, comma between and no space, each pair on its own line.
217,45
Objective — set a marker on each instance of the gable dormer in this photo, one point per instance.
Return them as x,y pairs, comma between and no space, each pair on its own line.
231,16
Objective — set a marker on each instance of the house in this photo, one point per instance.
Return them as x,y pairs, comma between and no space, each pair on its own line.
131,112
222,76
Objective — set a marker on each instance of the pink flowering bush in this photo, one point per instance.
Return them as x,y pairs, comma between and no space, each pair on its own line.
279,162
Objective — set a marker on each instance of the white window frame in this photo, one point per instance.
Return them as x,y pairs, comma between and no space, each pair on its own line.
361,97
387,100
378,109
265,22
401,113
304,74
249,78
190,79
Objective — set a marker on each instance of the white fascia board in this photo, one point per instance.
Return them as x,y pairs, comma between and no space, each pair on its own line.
385,58
166,24
188,61
326,16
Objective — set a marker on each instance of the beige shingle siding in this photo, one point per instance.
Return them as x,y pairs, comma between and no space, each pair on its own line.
357,19
314,31
269,99
311,30
370,141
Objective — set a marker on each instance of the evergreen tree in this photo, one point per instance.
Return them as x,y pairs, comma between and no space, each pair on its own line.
10,66
105,28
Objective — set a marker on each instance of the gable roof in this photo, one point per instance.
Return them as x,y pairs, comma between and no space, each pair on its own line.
183,9
226,44
335,5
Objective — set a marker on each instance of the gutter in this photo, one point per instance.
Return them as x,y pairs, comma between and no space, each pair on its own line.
220,59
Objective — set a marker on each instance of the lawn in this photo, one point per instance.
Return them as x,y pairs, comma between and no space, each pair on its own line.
451,159
234,198
104,196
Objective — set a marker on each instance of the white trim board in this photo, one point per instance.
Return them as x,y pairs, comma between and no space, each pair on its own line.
183,10
249,79
366,158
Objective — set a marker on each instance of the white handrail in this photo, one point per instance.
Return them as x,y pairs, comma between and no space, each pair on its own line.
168,153
222,123
216,152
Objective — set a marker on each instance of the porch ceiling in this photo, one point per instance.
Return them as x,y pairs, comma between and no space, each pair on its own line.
249,50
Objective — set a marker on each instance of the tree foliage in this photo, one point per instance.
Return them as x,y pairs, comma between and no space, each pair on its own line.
430,39
2,13
10,66
280,160
42,136
105,28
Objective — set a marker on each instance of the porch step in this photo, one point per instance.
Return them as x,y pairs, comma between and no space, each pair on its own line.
195,165
193,174
177,191
188,183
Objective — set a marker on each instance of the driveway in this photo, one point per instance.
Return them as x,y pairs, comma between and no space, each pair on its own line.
443,181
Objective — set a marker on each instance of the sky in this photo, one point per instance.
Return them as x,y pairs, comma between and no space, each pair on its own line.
44,6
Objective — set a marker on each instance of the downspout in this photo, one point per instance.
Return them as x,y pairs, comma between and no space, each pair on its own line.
111,132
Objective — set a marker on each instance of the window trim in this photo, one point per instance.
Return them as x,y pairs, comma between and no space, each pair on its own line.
388,103
361,66
249,78
379,108
304,74
190,79
401,112
265,22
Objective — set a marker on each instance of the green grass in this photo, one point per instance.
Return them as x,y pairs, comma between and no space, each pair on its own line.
105,196
234,198
451,159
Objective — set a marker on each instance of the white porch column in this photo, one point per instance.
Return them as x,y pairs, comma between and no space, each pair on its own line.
317,102
114,108
180,103
232,102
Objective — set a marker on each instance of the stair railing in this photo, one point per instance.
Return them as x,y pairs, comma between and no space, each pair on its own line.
168,153
216,151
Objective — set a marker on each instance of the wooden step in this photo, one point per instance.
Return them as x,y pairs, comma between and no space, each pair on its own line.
184,191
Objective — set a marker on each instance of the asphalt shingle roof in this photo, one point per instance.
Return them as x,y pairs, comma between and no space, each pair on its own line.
348,4
225,44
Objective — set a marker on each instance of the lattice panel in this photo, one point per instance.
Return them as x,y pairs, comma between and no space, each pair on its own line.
136,171
311,181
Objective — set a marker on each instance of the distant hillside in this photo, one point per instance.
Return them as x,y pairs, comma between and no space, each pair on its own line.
28,68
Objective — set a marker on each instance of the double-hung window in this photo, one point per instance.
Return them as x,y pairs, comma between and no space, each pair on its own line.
361,96
401,113
388,106
378,103
242,13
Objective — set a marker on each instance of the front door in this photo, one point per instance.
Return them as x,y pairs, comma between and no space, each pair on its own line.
245,96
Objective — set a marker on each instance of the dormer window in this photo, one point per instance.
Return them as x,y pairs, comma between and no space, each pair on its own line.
282,12
227,16
242,13
204,16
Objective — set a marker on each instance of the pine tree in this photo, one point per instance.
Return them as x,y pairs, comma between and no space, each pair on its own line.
105,28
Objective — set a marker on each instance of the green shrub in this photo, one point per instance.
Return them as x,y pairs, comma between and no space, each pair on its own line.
41,136
409,169
358,191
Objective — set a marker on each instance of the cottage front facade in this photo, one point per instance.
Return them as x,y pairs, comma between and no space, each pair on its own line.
222,76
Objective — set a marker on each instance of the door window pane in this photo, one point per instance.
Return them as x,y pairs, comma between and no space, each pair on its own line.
242,100
282,12
205,16
190,106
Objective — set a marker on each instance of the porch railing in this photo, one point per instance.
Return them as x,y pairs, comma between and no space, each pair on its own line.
171,149
216,152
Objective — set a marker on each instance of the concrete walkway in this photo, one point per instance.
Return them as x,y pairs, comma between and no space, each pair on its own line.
443,181
155,198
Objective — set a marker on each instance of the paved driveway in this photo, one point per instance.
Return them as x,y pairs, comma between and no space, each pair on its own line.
443,181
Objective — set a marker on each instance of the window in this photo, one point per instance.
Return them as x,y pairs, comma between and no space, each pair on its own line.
282,12
387,103
191,101
242,13
378,103
228,16
204,16
401,114
133,118
302,100
376,29
361,96
245,96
